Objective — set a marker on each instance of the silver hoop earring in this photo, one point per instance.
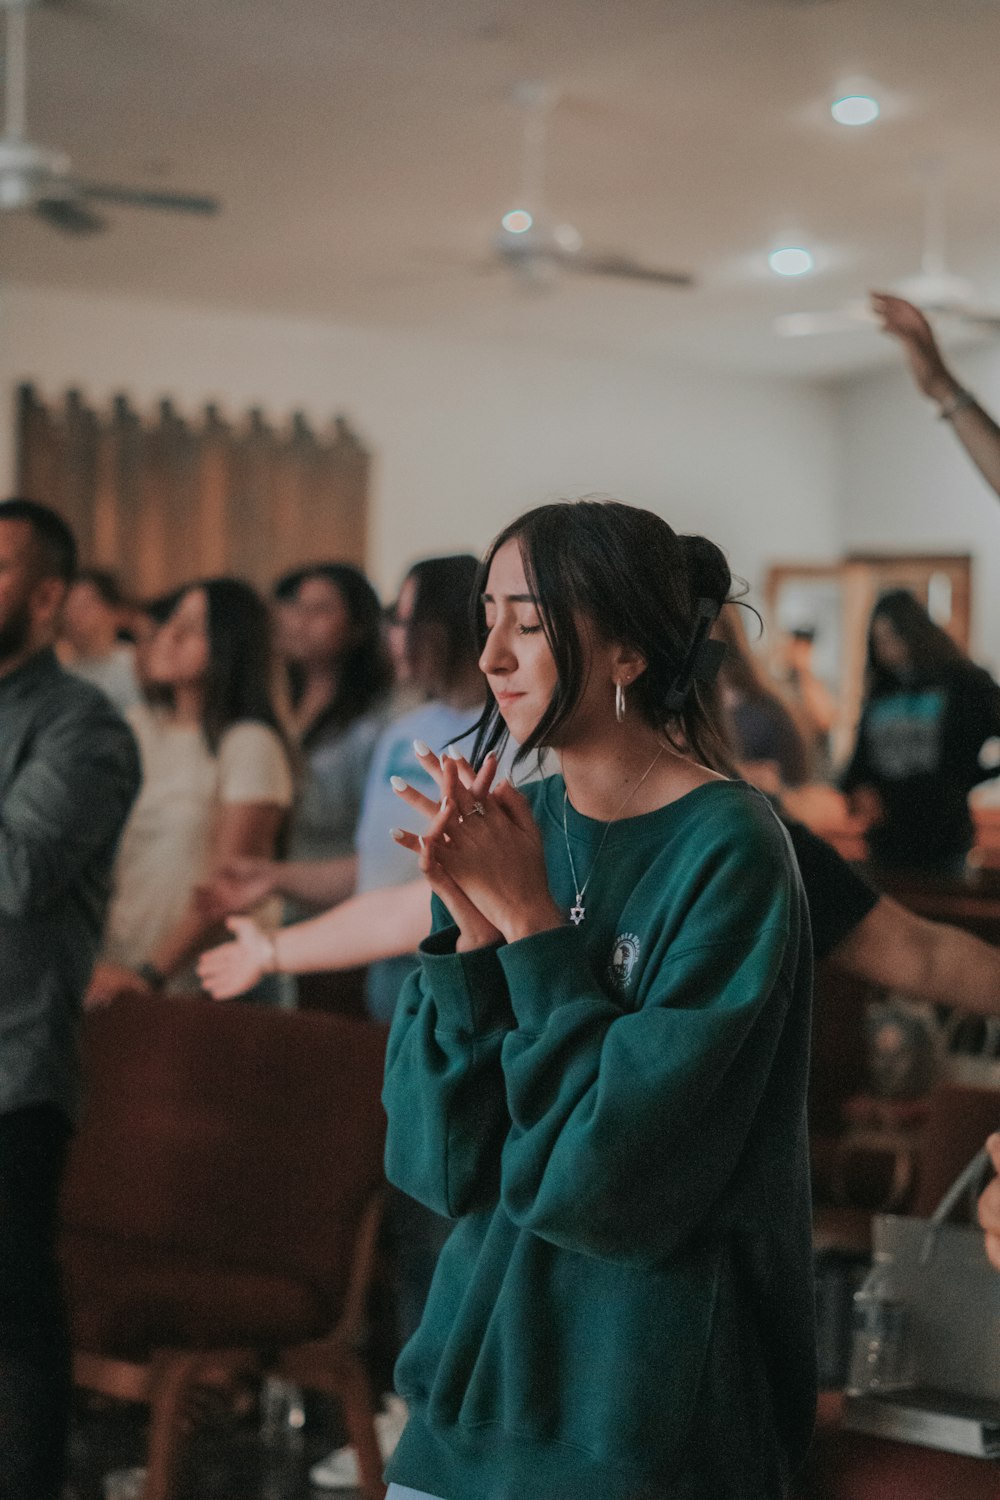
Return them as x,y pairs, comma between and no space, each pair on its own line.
619,701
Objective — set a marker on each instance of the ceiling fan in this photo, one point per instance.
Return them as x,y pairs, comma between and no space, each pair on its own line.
39,180
538,248
935,289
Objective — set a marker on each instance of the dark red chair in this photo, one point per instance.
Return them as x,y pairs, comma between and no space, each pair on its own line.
222,1209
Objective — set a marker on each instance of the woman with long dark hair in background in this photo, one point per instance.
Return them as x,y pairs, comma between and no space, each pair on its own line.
217,783
340,679
927,712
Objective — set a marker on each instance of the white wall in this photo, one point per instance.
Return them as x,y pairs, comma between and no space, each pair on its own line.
465,435
907,485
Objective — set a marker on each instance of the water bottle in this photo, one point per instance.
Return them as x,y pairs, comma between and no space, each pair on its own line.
282,1416
881,1349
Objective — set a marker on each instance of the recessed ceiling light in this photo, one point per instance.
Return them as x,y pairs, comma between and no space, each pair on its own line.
518,221
790,260
855,109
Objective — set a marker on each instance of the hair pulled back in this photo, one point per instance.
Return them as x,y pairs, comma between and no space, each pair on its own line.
638,584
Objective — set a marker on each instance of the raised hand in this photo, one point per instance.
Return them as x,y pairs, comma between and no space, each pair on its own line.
908,324
490,851
233,968
453,775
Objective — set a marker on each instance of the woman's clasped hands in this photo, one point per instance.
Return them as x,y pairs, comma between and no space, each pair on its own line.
481,852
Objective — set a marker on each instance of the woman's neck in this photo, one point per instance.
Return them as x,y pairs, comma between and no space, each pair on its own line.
318,691
631,771
189,704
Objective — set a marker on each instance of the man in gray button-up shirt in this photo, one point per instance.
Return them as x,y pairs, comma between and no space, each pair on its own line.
69,771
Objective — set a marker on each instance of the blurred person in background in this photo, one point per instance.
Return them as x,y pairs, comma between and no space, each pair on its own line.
217,784
927,713
810,699
340,679
69,772
768,741
91,637
432,639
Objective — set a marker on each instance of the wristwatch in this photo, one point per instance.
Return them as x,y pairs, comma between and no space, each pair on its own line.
154,977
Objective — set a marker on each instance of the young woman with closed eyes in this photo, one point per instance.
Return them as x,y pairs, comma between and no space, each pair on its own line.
598,1071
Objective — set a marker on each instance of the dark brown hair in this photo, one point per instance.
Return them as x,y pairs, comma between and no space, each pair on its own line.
639,584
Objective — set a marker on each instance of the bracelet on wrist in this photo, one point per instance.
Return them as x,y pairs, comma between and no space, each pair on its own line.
154,977
960,400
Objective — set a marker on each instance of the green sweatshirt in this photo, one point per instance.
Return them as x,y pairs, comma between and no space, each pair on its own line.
615,1116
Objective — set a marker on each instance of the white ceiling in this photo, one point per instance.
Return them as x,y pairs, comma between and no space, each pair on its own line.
364,150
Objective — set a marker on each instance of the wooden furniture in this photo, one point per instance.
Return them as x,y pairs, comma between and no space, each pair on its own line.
844,1465
222,1208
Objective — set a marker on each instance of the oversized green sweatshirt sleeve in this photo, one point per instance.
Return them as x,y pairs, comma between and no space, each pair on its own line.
444,1091
627,1128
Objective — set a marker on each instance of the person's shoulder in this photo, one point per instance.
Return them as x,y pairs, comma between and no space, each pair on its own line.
68,696
80,718
971,677
251,737
541,792
732,816
436,724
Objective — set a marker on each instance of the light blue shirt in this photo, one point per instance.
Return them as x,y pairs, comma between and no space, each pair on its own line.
381,861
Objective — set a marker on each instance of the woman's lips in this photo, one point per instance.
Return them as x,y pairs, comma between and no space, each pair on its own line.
505,699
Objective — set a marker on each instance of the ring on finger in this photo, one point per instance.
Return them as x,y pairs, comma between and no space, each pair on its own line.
478,809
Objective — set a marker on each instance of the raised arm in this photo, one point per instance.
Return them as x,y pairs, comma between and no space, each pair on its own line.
975,428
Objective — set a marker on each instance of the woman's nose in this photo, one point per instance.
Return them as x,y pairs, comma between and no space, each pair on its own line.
495,657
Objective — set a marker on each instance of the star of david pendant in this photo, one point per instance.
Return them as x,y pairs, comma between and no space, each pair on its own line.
576,915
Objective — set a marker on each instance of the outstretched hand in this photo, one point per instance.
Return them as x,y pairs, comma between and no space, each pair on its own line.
233,968
908,324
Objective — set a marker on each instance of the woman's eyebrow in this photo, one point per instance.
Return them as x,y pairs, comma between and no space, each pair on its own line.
510,598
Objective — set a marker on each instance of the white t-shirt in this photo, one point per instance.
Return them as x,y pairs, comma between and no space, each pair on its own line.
167,844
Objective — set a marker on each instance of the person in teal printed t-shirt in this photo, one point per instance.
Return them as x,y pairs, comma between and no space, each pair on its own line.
927,715
598,1072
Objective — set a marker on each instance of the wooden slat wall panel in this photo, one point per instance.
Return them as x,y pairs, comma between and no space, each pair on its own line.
164,499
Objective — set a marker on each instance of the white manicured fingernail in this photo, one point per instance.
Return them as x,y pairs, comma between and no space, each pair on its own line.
421,748
396,833
453,753
397,783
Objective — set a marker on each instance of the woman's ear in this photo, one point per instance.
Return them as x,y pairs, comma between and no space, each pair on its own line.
628,665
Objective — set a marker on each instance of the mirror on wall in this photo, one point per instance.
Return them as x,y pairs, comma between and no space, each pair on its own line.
818,617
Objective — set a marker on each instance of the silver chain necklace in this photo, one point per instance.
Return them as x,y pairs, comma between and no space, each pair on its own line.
578,911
